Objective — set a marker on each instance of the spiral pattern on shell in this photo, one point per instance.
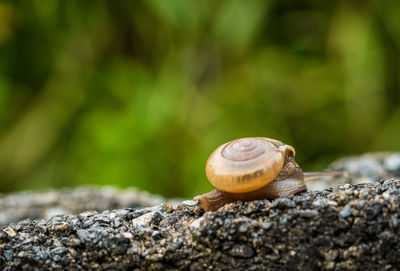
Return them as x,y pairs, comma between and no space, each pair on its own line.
246,164
244,149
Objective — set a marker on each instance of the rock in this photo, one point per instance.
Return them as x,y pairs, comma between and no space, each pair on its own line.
9,232
348,226
366,168
345,212
18,206
392,162
319,203
49,213
334,229
241,251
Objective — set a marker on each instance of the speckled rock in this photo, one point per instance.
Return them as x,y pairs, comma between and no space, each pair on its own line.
18,206
366,168
352,227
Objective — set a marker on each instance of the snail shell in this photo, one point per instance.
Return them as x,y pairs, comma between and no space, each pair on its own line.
249,169
254,168
247,164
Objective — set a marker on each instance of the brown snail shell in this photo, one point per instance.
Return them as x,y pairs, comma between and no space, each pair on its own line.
253,168
246,164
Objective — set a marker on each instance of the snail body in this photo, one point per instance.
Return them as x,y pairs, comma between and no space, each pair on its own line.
253,168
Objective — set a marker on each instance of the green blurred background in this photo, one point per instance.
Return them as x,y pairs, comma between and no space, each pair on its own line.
139,93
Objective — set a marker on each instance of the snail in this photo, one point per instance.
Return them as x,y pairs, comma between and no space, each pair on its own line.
254,168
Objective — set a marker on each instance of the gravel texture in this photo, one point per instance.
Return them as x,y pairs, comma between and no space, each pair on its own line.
366,168
18,206
351,227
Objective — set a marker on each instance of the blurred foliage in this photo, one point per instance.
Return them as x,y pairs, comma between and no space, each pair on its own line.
139,93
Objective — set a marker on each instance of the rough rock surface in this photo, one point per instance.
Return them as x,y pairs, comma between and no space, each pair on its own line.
366,168
352,227
18,206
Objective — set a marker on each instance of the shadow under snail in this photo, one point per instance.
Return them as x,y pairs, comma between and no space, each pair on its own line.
254,168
